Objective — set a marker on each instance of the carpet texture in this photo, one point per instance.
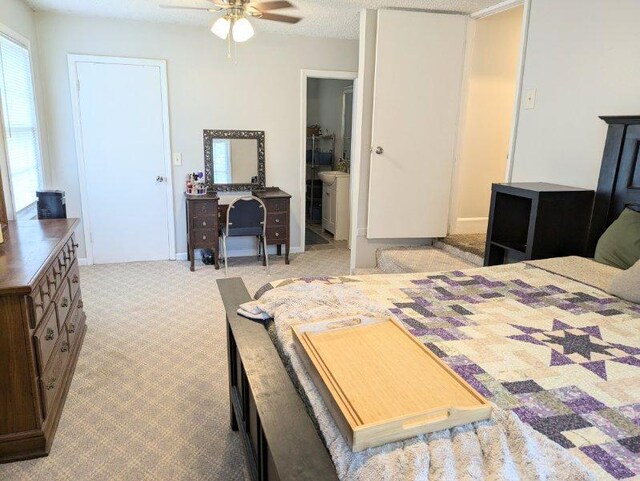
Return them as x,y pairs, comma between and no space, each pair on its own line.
149,399
418,259
473,243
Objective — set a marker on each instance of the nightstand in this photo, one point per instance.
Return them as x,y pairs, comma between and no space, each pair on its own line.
536,221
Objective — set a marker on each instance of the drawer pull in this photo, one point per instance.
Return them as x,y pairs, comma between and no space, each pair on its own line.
55,274
64,347
80,304
64,302
204,237
72,328
277,234
67,258
49,335
75,246
46,293
277,221
50,282
204,224
75,279
39,304
63,264
51,384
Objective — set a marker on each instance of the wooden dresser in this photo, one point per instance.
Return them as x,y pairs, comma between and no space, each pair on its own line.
42,326
202,225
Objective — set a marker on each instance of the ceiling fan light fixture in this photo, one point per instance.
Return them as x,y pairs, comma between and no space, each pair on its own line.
221,27
242,30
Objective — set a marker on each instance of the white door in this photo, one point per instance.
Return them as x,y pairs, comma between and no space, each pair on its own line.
121,122
419,63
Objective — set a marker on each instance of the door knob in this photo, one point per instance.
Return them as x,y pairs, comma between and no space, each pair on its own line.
379,150
159,179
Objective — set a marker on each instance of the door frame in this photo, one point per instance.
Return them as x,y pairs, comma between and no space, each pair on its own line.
306,74
73,60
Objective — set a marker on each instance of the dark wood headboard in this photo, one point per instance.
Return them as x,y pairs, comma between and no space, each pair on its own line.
619,183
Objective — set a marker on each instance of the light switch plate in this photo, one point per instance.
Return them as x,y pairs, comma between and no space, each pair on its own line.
177,159
530,99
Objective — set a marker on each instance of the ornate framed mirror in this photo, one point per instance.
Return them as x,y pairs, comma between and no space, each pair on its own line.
234,160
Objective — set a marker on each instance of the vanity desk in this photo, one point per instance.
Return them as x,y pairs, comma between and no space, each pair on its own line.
234,163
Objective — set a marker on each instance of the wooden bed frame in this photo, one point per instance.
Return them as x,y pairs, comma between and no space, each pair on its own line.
280,438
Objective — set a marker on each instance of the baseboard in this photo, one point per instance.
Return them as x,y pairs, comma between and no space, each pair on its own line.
470,225
182,256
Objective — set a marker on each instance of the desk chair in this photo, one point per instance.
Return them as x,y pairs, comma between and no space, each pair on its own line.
246,217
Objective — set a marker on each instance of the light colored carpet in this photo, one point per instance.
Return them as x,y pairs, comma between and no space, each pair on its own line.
150,396
419,259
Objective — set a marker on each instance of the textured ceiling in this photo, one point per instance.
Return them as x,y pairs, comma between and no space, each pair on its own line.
322,18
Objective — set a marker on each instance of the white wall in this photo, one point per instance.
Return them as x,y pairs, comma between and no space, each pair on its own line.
19,18
493,55
583,57
259,91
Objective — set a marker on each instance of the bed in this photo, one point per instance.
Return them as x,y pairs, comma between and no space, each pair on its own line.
556,354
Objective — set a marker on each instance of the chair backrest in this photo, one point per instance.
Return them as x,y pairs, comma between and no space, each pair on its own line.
246,214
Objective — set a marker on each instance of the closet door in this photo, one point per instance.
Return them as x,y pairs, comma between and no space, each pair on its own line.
419,63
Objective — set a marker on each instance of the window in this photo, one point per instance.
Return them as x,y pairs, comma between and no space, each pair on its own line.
221,161
20,123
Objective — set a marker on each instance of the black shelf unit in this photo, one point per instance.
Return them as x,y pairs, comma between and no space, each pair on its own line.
536,220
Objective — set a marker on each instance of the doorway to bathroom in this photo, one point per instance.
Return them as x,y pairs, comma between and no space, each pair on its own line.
327,120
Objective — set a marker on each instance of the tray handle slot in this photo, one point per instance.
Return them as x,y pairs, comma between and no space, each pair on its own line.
435,416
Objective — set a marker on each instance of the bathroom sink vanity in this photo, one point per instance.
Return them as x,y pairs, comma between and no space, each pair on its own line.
335,203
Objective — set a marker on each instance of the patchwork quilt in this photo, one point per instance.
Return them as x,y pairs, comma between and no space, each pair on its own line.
561,355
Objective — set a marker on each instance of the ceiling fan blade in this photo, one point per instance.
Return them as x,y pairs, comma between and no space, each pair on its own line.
279,18
180,7
275,5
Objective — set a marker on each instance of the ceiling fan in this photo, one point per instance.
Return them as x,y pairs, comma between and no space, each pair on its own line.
235,20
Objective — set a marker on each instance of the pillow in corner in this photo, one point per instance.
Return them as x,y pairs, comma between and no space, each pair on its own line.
626,284
619,246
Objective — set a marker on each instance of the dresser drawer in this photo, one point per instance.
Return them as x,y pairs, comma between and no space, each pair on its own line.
72,247
277,235
203,208
40,300
52,380
204,238
276,205
55,276
46,337
63,303
206,222
74,280
75,322
277,220
63,263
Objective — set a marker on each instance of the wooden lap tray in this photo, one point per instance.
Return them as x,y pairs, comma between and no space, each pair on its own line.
381,384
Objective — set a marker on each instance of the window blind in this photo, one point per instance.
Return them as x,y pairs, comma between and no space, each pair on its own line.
20,122
222,161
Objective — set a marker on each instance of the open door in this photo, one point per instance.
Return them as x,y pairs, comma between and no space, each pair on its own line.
418,78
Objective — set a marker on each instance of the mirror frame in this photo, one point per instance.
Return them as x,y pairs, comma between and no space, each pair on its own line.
209,135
